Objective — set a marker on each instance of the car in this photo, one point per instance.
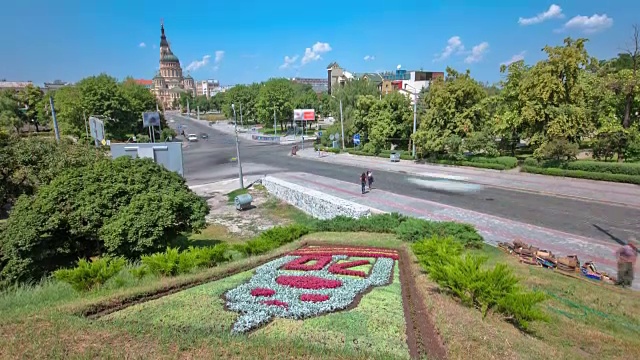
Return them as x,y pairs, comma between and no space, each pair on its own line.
192,137
204,136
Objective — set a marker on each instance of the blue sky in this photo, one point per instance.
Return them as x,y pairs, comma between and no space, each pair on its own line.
247,41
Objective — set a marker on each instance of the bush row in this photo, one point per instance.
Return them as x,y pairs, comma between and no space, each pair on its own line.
382,154
495,163
326,149
632,169
621,178
465,277
89,275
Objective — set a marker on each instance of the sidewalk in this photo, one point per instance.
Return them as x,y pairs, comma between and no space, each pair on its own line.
494,229
591,190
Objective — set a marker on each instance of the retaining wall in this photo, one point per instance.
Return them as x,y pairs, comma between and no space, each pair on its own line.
315,203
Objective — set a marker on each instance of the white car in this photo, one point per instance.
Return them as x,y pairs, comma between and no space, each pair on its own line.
192,137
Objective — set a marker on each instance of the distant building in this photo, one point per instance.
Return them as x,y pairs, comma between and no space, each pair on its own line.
208,88
336,76
318,85
146,83
169,84
14,85
55,85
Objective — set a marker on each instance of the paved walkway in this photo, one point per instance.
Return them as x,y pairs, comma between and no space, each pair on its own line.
494,229
600,191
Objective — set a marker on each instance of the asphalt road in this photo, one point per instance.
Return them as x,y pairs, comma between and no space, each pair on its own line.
214,159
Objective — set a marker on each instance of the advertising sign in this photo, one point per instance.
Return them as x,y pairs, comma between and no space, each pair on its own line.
304,114
150,119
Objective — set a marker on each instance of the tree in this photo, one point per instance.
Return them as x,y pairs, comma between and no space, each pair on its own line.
32,97
69,111
507,122
217,101
452,107
124,207
276,95
139,100
632,84
186,98
10,114
384,121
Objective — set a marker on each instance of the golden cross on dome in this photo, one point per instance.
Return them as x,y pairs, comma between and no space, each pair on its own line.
161,21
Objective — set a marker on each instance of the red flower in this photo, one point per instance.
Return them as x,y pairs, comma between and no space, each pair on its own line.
308,282
301,263
314,297
341,268
262,292
351,253
276,303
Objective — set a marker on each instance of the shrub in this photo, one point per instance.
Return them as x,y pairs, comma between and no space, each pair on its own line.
173,262
89,275
621,178
380,223
272,238
509,162
605,167
557,149
413,230
466,278
124,207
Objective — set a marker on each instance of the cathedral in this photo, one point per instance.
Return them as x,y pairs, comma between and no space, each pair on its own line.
169,84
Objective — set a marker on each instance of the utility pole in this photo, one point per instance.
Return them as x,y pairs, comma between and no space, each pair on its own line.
55,120
342,124
241,123
415,118
275,131
188,111
235,121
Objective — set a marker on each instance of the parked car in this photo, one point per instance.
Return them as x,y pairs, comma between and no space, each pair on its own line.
192,137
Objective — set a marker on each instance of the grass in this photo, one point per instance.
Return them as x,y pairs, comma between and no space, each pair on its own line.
587,319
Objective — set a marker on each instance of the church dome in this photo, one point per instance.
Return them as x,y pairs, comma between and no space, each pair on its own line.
188,77
169,58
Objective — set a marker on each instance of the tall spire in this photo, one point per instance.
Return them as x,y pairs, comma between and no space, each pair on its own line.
163,38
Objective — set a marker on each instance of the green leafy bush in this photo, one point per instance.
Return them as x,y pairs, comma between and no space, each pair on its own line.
124,207
413,230
621,178
557,149
466,278
173,262
272,238
380,223
605,167
88,275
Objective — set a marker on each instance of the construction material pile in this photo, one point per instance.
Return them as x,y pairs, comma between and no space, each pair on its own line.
570,264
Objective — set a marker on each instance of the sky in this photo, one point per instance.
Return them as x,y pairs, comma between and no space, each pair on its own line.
249,41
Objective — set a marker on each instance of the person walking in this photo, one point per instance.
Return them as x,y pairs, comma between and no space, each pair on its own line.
363,182
626,257
369,178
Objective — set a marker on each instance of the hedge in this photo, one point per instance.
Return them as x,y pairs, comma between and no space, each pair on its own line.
601,176
497,163
632,169
382,154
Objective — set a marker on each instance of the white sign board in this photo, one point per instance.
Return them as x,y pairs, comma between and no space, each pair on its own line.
304,114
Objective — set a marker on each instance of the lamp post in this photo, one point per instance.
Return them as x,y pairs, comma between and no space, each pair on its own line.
275,129
235,121
415,117
241,123
341,121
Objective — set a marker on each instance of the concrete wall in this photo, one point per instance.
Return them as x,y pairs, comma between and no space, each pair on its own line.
315,203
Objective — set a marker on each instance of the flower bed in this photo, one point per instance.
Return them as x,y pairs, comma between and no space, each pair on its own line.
322,289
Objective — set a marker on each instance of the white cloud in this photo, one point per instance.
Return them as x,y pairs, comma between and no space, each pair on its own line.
313,53
142,45
514,58
454,45
369,58
554,12
588,24
477,53
288,61
219,56
197,64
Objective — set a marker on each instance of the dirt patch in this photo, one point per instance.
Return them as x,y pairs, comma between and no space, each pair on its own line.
422,335
247,223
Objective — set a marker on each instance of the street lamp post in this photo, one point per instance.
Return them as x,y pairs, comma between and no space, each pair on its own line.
235,121
275,129
241,123
341,121
415,118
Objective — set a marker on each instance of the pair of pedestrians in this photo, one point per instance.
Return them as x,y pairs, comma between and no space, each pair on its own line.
366,178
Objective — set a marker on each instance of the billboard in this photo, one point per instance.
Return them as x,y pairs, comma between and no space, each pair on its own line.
167,154
96,128
304,114
150,119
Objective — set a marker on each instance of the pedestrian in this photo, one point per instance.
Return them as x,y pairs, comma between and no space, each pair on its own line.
370,178
363,181
626,257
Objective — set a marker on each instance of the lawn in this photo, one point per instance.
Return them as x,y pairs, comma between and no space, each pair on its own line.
587,320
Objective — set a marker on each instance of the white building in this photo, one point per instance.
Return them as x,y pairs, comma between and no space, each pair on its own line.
208,88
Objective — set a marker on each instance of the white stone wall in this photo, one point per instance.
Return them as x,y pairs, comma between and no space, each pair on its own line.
315,203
